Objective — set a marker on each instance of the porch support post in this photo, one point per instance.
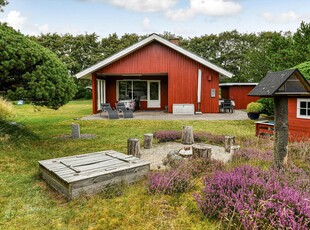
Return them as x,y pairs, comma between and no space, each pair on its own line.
94,93
281,132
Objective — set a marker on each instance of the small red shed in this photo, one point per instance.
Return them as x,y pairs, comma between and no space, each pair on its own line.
239,93
158,72
292,85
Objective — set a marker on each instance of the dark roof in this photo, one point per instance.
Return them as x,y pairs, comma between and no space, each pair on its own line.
273,81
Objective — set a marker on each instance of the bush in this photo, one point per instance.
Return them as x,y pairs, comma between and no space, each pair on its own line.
254,107
247,154
167,135
168,182
268,104
6,109
249,198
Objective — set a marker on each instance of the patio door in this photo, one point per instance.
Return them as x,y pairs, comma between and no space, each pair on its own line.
153,94
101,92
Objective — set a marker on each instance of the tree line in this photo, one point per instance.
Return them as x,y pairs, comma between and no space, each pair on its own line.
249,56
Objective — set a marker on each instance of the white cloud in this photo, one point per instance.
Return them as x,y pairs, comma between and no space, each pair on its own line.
143,5
146,23
286,17
15,19
206,7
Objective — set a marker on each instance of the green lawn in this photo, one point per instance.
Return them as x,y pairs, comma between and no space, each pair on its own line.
28,203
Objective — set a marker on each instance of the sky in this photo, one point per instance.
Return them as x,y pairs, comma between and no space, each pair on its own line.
186,18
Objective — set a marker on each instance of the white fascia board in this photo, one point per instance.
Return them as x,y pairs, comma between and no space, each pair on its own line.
87,72
238,84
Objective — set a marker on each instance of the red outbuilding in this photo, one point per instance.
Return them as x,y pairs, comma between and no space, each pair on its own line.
160,74
291,85
238,92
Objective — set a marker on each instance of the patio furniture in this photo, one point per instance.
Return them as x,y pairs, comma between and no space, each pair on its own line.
112,113
120,106
227,104
264,128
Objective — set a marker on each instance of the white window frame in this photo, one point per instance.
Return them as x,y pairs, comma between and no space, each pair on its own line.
307,100
101,93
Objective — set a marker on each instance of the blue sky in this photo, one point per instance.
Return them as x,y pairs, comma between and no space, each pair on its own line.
187,18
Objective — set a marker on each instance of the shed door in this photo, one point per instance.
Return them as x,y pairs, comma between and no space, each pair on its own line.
153,94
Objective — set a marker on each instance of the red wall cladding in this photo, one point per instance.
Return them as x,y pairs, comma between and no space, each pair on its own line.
181,71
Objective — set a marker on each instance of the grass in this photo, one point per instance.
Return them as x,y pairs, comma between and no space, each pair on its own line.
28,203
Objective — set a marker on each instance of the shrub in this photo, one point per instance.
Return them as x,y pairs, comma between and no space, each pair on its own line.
6,109
268,104
254,107
247,154
167,135
209,137
249,198
168,182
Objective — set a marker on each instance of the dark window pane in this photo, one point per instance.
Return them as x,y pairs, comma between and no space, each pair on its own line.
303,112
308,112
154,94
125,90
303,104
308,105
140,90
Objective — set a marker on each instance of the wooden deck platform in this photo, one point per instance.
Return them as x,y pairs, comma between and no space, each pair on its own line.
90,173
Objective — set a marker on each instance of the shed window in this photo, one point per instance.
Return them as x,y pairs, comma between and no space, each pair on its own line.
303,108
129,90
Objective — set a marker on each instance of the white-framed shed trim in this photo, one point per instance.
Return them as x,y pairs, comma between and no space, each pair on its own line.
86,74
238,84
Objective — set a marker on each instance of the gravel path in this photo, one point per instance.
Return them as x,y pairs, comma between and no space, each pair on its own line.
156,154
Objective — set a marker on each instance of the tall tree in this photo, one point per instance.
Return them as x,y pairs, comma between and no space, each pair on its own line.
31,72
2,4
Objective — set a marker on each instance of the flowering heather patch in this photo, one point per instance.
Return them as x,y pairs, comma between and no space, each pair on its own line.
167,135
209,137
168,182
249,198
247,154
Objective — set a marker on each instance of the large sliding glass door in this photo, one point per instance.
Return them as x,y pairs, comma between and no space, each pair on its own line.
138,89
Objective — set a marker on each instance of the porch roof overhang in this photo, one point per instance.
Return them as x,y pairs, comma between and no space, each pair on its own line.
86,74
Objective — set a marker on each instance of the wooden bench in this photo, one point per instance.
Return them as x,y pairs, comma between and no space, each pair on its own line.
264,128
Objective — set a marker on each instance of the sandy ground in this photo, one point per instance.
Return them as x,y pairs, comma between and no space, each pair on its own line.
156,154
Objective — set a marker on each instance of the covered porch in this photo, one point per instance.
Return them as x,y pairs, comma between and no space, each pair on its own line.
137,91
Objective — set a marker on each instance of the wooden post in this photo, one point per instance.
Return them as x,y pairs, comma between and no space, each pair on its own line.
187,135
229,141
75,130
148,141
281,132
133,147
201,151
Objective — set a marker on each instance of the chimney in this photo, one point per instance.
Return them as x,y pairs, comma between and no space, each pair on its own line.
175,41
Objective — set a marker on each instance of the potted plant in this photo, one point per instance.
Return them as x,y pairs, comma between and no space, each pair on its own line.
254,109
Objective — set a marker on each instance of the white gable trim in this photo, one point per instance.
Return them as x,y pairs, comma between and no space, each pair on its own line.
154,37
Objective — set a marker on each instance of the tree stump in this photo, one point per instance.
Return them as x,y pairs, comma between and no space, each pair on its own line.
201,151
75,130
187,135
148,141
229,141
133,147
234,149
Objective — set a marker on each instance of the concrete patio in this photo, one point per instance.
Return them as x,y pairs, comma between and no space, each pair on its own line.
161,115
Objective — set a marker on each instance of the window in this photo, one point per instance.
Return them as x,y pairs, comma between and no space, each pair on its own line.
303,108
129,90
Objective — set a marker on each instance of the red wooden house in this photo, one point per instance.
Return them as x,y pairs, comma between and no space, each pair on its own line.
292,85
158,72
239,93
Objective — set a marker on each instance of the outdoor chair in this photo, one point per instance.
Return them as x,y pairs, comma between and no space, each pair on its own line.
227,105
120,106
112,113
